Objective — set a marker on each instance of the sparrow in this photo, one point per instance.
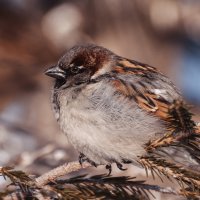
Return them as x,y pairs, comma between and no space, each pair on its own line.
111,107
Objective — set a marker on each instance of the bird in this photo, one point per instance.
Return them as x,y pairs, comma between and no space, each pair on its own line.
111,107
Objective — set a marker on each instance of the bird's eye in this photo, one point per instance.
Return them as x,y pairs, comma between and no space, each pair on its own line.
76,69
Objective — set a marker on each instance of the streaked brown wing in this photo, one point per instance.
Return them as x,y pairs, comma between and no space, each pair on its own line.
143,94
147,101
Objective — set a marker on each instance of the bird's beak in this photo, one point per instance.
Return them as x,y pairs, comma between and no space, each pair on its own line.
56,72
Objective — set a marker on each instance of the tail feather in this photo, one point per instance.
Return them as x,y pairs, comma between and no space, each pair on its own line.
177,153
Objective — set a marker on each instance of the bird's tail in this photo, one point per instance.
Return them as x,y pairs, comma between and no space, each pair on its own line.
177,153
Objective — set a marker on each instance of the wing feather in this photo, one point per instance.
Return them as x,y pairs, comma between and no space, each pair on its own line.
153,92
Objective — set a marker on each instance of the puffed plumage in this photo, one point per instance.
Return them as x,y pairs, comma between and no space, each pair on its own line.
108,106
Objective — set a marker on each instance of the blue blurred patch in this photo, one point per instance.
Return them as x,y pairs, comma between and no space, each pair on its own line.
190,71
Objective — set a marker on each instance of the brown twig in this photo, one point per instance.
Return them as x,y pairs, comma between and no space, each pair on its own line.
43,180
60,171
49,176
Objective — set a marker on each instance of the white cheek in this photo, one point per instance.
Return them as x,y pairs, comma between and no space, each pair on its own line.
106,68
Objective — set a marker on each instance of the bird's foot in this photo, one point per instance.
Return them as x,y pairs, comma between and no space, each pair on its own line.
120,166
109,168
83,158
126,161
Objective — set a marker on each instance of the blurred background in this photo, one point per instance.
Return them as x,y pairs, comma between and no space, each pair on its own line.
34,34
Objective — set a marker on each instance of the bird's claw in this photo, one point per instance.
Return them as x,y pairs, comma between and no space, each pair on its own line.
120,166
126,161
109,168
83,158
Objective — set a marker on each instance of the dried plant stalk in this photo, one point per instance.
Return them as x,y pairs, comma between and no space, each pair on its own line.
60,171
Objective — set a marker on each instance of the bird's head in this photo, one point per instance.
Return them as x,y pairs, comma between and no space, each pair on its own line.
81,64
